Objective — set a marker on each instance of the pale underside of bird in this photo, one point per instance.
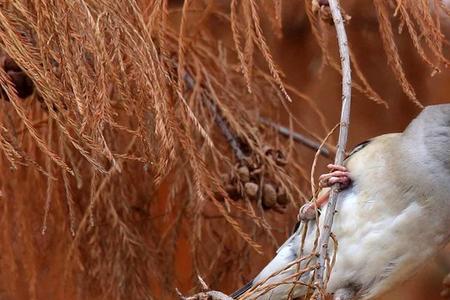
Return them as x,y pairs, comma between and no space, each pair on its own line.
393,217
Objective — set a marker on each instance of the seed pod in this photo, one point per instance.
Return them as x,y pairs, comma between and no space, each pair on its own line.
251,189
269,198
244,174
267,150
232,191
282,197
280,159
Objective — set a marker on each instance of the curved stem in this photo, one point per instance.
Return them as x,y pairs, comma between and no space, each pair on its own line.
343,133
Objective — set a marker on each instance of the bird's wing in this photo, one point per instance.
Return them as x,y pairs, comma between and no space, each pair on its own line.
242,290
289,240
287,252
358,148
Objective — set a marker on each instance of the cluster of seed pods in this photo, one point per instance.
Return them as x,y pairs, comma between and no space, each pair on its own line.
249,180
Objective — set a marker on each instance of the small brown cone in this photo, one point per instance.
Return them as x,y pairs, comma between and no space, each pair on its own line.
251,189
269,196
244,173
282,197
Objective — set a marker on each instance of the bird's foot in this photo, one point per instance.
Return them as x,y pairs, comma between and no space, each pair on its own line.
307,212
337,174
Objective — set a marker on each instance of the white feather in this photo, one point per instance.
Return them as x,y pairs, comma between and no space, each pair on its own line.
388,222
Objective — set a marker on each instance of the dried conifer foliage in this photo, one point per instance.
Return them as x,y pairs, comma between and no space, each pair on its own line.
130,134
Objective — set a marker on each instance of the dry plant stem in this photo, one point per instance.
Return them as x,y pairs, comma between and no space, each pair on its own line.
343,132
297,137
211,295
220,121
206,294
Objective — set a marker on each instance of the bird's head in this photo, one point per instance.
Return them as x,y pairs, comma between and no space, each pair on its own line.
430,132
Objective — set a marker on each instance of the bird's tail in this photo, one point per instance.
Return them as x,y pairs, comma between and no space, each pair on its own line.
242,290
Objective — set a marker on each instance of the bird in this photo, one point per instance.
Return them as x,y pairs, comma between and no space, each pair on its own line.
392,215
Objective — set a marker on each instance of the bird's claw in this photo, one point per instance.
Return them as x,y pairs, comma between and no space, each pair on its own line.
307,212
337,174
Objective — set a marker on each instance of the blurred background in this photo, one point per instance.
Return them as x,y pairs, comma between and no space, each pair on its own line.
144,229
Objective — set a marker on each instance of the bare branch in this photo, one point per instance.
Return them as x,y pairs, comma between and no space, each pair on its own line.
211,295
206,294
343,133
298,137
219,119
203,283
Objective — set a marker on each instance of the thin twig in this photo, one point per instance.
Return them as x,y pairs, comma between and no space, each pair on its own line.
298,137
205,294
226,131
219,119
343,133
211,295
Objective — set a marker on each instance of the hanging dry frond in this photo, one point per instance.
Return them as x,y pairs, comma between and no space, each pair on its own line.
131,131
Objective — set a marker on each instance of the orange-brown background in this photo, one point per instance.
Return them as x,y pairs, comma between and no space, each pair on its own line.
298,56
